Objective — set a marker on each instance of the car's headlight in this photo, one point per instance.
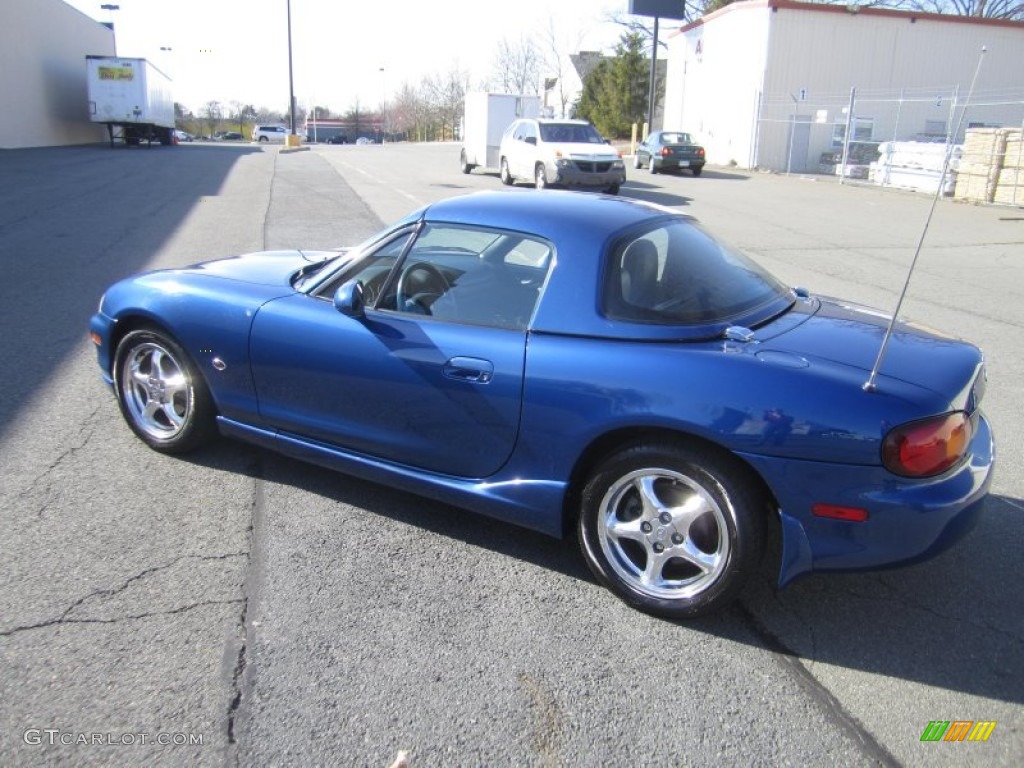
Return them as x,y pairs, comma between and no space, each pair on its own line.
563,162
618,164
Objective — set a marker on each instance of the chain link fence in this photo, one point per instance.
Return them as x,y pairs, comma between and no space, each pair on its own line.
899,138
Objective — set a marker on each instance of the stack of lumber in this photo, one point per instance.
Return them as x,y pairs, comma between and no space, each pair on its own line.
980,163
1010,182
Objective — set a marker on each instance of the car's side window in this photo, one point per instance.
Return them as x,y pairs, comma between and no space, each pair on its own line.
468,275
372,271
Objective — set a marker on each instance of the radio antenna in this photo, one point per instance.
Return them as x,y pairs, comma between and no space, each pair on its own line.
870,384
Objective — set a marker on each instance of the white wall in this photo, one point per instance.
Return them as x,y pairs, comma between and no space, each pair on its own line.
43,45
714,76
760,68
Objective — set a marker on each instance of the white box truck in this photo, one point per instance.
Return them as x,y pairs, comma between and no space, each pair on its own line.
132,98
487,116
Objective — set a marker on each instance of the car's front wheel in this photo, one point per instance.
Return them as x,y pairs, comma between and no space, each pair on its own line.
506,177
161,394
673,530
540,176
464,164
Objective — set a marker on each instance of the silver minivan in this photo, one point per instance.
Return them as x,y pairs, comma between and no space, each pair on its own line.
568,153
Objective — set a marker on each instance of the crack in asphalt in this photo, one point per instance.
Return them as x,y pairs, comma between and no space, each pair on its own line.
817,692
241,673
44,480
99,593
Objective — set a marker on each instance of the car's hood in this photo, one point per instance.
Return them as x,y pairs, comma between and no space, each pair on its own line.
596,152
262,267
851,335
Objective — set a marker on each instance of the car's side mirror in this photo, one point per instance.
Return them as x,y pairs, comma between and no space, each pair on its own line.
531,140
348,299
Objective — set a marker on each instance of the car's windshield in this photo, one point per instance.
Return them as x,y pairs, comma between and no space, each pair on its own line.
570,133
675,274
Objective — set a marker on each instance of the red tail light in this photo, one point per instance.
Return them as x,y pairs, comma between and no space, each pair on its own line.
665,151
700,151
928,447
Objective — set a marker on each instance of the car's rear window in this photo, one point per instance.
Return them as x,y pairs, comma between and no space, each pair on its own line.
675,274
676,138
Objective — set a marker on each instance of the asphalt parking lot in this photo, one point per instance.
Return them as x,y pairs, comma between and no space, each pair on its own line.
250,610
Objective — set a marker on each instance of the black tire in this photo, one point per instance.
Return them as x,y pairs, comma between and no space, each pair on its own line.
263,139
465,166
699,512
613,189
697,170
162,395
652,168
636,161
506,177
540,176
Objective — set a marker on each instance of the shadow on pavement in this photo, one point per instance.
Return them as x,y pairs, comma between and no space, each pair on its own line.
890,623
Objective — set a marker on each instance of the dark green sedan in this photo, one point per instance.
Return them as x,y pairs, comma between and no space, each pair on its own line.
670,151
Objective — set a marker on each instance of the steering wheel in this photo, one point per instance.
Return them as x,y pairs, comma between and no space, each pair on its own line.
415,293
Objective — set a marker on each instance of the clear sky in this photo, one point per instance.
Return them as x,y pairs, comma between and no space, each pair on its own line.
237,50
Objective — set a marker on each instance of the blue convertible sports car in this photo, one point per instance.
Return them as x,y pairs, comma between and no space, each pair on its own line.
566,361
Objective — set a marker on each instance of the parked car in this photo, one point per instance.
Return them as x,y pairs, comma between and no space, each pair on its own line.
231,136
559,152
267,133
670,151
363,141
183,136
339,139
658,393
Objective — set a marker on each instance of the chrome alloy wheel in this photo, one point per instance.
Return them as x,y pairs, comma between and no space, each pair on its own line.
663,534
156,391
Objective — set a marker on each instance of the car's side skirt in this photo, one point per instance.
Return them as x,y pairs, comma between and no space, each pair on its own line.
534,504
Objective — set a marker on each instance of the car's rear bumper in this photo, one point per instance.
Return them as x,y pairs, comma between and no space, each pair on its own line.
908,520
675,164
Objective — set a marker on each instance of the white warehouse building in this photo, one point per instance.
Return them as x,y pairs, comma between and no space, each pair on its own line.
43,45
770,83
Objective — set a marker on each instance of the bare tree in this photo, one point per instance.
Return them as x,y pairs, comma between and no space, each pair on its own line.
554,55
212,114
516,67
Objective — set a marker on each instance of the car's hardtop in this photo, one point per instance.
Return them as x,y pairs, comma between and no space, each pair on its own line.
583,230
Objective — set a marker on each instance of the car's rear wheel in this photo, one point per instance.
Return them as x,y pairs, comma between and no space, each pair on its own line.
652,167
161,394
464,164
674,531
697,170
540,176
263,138
506,177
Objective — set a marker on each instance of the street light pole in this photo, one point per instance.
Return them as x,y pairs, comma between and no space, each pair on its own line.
383,107
291,86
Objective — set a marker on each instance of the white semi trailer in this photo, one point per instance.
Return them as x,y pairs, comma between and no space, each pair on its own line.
132,98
